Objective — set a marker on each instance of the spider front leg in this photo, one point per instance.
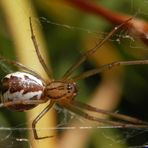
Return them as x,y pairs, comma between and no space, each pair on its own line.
118,116
35,121
40,58
118,124
108,67
91,51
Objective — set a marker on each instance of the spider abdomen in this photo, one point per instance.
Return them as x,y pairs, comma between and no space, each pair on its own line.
19,90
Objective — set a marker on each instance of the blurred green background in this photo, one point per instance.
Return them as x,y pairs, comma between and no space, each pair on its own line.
66,33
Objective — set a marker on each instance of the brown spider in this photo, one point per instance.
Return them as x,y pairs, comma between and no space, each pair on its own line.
23,91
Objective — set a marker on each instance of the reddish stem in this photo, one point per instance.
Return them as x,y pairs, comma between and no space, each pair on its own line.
93,8
137,27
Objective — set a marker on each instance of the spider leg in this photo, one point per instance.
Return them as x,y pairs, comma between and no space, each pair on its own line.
24,102
48,71
117,124
91,51
19,65
35,121
108,67
114,115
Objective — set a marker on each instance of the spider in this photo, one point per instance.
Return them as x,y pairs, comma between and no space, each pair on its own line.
25,90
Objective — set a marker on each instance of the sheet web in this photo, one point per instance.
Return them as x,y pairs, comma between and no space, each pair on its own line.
113,135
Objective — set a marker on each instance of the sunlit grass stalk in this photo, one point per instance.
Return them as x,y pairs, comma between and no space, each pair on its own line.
17,14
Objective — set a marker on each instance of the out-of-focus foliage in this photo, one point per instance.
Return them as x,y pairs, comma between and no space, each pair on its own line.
67,42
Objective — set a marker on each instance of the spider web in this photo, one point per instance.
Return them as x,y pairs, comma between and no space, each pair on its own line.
112,135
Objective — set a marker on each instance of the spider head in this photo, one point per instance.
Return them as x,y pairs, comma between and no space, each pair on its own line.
61,90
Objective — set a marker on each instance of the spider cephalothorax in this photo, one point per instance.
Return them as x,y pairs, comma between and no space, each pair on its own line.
61,90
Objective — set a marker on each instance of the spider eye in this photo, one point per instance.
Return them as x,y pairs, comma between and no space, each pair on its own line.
69,87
